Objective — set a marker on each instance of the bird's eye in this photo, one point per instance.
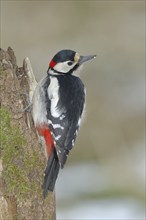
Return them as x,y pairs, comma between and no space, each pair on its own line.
70,63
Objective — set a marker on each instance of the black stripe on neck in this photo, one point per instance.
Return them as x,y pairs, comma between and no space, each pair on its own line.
61,73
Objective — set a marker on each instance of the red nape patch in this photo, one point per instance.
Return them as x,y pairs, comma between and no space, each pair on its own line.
45,132
52,64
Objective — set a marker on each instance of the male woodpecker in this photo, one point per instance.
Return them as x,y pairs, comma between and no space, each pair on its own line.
58,104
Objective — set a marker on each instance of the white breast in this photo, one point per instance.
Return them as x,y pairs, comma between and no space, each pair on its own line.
39,111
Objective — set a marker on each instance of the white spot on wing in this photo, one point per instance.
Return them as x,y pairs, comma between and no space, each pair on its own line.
62,117
79,121
57,137
55,125
76,132
73,142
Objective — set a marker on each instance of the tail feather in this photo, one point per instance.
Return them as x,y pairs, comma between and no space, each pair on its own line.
51,173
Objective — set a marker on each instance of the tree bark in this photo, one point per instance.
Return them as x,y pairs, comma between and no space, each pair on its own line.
22,158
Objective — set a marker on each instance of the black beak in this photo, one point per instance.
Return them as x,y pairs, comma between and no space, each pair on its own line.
86,58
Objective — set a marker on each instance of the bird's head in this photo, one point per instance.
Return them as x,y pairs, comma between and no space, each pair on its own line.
66,62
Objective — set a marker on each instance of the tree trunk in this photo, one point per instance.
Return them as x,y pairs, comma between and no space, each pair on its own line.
22,158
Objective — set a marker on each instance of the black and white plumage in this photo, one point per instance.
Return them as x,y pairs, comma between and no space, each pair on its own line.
58,104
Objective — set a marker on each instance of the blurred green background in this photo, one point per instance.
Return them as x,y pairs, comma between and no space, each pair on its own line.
104,177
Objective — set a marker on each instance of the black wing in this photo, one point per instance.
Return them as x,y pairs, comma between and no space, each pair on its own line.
64,134
65,127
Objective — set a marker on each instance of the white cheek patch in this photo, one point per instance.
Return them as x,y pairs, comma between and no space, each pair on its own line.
63,67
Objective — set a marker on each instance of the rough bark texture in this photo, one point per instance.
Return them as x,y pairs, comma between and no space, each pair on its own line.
22,159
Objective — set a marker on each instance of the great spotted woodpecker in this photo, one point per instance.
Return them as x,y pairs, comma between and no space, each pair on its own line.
58,104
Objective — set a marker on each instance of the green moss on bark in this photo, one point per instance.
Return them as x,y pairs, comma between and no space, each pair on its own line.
19,165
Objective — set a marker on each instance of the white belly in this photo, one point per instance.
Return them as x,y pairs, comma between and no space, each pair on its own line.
39,111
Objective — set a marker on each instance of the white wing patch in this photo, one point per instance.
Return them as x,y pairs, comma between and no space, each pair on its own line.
54,97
